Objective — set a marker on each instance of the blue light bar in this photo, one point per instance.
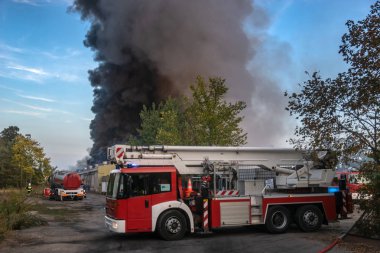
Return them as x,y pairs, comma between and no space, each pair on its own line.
332,189
132,165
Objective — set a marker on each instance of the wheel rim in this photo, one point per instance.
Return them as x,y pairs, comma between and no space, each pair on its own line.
310,218
173,225
279,220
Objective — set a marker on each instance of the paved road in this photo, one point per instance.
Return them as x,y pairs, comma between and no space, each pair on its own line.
84,231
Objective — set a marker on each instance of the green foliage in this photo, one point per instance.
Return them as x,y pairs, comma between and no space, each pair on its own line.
150,123
29,159
162,124
7,173
171,124
211,120
15,212
203,119
344,113
22,160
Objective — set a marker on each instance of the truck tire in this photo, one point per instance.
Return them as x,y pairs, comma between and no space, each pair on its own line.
172,225
278,219
309,218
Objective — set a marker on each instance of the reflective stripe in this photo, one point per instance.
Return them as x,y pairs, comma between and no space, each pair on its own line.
227,193
119,152
205,215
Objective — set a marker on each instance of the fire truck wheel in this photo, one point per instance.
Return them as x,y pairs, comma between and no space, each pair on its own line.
309,218
171,225
278,219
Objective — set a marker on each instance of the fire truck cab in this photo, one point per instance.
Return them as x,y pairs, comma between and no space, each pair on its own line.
138,197
225,187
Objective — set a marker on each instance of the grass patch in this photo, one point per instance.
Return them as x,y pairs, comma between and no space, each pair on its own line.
19,210
15,212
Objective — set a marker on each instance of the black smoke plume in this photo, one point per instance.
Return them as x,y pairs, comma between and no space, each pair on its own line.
151,49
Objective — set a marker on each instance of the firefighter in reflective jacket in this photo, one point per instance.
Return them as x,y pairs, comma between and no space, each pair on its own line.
29,188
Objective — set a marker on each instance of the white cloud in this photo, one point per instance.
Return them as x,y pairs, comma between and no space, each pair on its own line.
41,2
17,71
36,71
37,98
38,108
25,2
22,75
59,63
35,74
73,52
63,112
67,77
32,2
60,54
50,55
27,113
6,57
8,48
9,88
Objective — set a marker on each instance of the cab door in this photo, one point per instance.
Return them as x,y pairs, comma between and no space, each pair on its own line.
139,206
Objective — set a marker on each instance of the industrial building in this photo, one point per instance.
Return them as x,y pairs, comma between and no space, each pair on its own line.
95,179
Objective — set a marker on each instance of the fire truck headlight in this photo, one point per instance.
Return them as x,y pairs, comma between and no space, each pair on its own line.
114,225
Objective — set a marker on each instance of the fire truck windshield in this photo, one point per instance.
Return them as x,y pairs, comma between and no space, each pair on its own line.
117,186
113,184
121,186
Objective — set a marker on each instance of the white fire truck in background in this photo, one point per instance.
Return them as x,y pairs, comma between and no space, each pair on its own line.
178,189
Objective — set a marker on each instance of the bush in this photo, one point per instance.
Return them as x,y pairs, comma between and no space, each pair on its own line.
15,212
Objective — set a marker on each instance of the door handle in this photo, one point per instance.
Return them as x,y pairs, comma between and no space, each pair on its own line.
146,203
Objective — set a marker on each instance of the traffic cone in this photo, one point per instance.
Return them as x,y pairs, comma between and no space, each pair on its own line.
189,189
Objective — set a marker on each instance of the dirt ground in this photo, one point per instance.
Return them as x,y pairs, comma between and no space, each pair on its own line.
78,226
68,222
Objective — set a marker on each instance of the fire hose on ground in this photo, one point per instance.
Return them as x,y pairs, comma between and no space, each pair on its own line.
341,237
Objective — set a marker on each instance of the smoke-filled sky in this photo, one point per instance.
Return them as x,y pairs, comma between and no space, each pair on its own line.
143,51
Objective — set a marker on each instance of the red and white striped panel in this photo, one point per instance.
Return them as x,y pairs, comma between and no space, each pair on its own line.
227,193
119,152
205,215
344,208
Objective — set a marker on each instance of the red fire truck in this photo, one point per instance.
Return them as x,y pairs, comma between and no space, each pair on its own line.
225,187
354,181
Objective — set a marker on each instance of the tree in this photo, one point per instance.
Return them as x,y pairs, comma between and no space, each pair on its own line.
29,161
150,123
210,119
21,159
344,113
162,124
172,122
7,139
203,119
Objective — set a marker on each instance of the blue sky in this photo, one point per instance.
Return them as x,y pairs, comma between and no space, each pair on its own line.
43,63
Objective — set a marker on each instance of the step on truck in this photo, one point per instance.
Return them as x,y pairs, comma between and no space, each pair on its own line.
175,190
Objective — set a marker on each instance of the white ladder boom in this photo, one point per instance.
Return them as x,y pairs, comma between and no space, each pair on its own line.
190,159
